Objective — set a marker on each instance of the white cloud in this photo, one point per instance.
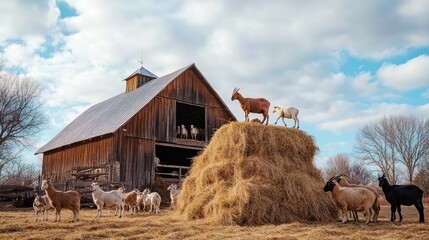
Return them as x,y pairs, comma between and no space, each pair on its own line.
410,75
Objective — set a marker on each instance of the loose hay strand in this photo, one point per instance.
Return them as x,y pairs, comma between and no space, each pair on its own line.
251,174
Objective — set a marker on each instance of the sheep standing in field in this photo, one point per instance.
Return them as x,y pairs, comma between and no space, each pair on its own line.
60,199
351,199
343,181
174,191
287,112
107,199
130,200
252,105
41,204
154,199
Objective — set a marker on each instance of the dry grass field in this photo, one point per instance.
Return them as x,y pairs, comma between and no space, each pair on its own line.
20,224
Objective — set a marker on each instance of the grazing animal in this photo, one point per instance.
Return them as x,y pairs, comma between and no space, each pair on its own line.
183,132
174,191
252,105
41,204
107,199
131,201
343,181
59,199
154,199
287,112
398,195
351,199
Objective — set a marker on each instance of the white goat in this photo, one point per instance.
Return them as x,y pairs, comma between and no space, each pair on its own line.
157,162
287,112
154,199
351,199
174,191
183,132
107,199
41,204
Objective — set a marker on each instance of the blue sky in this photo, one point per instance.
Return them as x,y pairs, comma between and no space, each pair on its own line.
343,64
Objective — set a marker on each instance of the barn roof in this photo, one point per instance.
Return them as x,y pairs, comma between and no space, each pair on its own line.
142,71
108,116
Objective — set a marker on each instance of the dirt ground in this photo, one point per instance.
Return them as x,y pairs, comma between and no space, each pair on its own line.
20,224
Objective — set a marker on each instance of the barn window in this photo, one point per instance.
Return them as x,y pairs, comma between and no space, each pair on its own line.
174,161
188,115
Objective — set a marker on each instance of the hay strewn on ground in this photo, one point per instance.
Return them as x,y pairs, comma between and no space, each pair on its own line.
251,174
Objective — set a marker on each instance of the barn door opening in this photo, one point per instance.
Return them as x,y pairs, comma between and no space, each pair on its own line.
175,162
187,115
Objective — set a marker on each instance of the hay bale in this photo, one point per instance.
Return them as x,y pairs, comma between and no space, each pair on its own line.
252,174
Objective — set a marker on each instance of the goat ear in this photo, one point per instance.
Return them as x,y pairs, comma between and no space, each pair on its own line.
384,175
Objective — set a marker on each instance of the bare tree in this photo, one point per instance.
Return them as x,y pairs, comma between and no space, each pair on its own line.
20,173
21,115
343,164
373,146
410,136
422,177
393,140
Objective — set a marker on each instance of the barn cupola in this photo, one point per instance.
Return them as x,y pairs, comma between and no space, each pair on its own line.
138,78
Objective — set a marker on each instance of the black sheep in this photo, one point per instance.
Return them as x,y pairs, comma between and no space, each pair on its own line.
398,195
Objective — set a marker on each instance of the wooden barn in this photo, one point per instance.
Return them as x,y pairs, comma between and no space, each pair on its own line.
119,139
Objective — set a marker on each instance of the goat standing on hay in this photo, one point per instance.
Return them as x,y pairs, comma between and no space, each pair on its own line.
287,112
41,204
252,105
351,199
60,199
174,191
398,195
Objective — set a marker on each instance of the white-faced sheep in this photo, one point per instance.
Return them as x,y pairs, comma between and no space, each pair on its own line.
107,199
154,199
194,132
183,132
287,112
351,199
131,200
174,191
343,181
60,199
41,204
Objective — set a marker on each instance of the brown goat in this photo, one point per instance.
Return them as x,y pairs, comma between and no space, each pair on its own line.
252,105
131,201
60,199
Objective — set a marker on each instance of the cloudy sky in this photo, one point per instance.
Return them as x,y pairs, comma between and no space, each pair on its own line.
342,63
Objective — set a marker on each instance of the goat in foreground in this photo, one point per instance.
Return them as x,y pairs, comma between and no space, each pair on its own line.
60,199
287,112
252,105
107,199
130,200
41,204
398,195
342,180
351,199
154,199
174,191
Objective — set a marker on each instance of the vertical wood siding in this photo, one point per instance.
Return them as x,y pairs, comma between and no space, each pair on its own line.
133,145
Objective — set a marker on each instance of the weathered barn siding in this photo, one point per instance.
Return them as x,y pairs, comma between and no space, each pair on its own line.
59,163
133,144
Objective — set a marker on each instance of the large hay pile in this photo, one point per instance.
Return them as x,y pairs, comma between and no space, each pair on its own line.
251,174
